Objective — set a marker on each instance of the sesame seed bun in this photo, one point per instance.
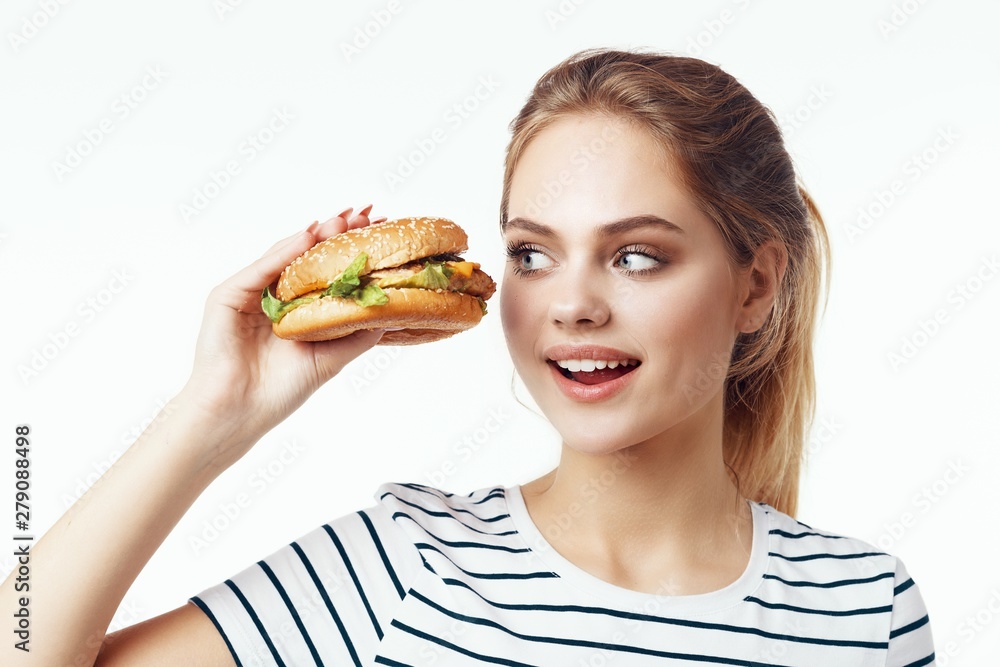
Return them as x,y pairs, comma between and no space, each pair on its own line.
388,244
411,315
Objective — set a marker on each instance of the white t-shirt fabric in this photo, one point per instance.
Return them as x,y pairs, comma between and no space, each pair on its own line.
425,577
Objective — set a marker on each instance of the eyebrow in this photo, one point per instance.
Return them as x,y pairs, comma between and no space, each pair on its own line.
616,227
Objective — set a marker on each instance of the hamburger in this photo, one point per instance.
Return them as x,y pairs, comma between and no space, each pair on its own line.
405,276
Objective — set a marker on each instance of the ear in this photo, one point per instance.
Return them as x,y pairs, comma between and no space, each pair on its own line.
760,285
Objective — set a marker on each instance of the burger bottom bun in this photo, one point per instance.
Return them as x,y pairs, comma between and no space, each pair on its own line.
418,315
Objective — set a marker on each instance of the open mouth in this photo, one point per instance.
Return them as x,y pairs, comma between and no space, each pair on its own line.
594,371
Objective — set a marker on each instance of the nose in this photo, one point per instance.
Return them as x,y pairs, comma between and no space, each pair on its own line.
579,303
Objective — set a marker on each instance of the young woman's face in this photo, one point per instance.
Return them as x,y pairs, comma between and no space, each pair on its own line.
599,276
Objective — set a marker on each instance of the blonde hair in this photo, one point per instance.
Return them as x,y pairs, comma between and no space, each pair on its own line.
733,162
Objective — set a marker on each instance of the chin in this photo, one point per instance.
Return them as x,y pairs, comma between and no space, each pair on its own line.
596,439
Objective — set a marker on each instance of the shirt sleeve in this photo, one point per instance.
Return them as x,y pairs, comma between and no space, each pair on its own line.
324,599
910,641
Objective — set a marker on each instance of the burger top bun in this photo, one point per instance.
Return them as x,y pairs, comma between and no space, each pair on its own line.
387,244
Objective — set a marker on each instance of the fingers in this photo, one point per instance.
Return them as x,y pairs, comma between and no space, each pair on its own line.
332,355
245,286
346,221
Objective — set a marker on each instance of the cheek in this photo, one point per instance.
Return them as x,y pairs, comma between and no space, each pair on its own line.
689,316
514,314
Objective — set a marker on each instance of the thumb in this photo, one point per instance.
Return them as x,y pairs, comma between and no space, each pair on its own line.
332,355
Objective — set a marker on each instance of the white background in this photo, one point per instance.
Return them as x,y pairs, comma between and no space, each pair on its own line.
863,89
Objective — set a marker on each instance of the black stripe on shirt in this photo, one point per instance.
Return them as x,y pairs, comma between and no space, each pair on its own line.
498,517
923,661
426,489
909,628
582,643
795,536
381,552
646,617
256,621
291,610
458,649
505,533
389,661
201,605
488,575
480,545
430,490
902,587
329,603
822,612
831,584
863,554
354,577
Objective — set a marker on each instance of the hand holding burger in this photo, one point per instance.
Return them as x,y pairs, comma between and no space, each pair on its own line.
404,276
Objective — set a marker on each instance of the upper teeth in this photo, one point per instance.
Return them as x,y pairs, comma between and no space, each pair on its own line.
587,365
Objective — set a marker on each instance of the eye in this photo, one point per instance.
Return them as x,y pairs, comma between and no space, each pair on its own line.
533,259
527,258
635,262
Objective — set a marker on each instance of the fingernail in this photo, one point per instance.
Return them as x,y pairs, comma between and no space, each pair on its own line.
345,213
312,228
366,210
378,220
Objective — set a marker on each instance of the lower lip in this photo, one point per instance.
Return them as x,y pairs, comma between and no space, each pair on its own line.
590,393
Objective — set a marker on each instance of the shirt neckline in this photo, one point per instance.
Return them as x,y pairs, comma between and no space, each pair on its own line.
629,599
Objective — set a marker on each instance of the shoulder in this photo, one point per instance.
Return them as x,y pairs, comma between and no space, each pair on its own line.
842,576
807,557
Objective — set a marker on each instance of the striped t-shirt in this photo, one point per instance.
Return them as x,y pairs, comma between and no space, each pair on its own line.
426,577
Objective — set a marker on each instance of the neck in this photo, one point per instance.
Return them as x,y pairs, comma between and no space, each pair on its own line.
666,503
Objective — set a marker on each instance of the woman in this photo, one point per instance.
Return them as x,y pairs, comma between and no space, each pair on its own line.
663,273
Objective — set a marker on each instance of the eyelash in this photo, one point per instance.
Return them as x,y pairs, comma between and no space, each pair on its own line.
514,253
516,250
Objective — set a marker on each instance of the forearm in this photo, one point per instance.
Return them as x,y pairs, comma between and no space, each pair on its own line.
84,565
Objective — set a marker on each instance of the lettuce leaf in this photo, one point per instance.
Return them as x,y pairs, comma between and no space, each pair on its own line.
348,280
370,295
275,308
346,285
